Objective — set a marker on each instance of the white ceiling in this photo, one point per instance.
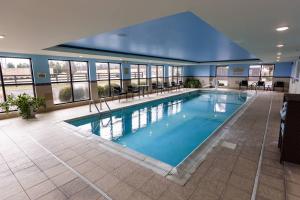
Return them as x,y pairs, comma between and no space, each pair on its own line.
33,25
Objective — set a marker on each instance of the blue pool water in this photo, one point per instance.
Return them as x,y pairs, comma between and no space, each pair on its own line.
167,129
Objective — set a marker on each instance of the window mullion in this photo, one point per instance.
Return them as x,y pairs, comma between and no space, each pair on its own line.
109,85
2,83
71,80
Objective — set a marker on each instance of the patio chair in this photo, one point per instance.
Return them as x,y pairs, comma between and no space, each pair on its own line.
157,87
278,84
167,86
180,84
133,90
243,83
260,84
116,90
174,85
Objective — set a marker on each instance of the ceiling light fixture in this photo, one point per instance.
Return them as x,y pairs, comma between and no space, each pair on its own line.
279,54
2,36
283,28
280,45
278,57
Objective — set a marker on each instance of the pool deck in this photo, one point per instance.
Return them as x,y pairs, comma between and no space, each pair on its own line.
40,159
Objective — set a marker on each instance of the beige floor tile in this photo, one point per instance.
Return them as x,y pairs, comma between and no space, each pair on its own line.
124,171
73,187
232,193
138,196
273,182
95,174
76,161
63,178
137,179
292,197
87,194
217,174
54,171
20,196
121,191
10,190
270,193
212,188
293,188
241,183
32,180
41,189
107,182
53,195
155,186
85,167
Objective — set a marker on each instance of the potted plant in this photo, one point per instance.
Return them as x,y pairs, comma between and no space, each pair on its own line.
26,105
192,83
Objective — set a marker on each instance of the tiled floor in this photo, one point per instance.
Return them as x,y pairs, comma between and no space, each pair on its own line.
41,160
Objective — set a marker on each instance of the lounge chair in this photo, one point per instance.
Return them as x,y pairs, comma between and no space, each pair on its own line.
180,84
167,86
133,90
174,85
116,90
260,84
157,87
243,83
279,84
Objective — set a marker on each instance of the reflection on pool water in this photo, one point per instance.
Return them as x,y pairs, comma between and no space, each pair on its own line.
167,129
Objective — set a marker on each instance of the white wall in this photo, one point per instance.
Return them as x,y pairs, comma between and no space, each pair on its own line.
295,81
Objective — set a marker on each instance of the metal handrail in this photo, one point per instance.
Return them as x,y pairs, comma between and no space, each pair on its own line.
95,104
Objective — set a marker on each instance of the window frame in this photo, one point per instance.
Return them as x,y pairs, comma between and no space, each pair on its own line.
3,84
260,72
157,77
108,75
71,80
139,78
177,76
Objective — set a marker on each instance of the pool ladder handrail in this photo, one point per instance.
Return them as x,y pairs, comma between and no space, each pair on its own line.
95,104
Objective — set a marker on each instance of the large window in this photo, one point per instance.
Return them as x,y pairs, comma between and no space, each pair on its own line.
16,77
222,75
261,72
138,75
108,75
157,74
175,74
69,80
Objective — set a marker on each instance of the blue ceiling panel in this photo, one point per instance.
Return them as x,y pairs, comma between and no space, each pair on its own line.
183,36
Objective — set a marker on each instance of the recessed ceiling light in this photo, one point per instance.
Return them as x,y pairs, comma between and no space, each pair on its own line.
280,45
283,28
279,53
278,57
2,36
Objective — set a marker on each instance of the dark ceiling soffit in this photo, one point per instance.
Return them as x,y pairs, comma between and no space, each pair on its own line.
72,49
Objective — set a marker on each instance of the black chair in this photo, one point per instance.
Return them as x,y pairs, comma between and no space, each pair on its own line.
173,85
133,90
157,87
279,84
116,90
167,86
243,83
180,84
260,84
